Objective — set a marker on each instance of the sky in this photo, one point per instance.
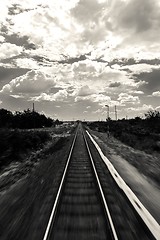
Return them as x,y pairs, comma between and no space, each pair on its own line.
74,57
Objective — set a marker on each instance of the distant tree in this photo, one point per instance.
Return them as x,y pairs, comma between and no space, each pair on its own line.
26,119
30,119
6,118
138,119
152,114
152,120
56,122
108,119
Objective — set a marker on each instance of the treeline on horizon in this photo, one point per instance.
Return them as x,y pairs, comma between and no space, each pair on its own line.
150,121
140,133
26,119
148,124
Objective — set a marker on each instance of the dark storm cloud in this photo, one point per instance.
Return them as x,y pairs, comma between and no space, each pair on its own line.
86,11
19,41
11,59
72,60
7,74
123,61
3,29
150,61
67,60
99,60
114,85
16,39
16,9
81,58
40,59
152,80
43,61
131,61
54,90
138,15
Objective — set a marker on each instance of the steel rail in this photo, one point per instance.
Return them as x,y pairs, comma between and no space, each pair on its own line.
101,191
46,235
53,212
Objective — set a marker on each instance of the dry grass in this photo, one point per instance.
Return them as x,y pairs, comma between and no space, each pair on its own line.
147,164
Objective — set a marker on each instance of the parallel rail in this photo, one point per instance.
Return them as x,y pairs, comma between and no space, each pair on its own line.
54,212
67,185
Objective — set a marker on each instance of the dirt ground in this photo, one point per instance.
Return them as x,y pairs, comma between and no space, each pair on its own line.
139,170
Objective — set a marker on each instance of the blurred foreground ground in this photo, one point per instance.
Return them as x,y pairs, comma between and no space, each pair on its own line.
138,169
28,188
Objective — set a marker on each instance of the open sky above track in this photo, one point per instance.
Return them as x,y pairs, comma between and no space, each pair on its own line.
73,57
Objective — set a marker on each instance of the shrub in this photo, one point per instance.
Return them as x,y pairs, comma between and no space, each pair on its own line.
15,143
142,134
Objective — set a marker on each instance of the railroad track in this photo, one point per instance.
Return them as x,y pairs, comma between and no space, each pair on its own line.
89,203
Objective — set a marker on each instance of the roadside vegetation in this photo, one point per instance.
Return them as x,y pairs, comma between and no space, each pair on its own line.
24,120
142,134
22,133
15,144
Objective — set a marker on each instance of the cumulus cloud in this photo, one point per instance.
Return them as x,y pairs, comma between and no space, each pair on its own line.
125,98
16,96
156,94
2,39
61,95
141,109
97,111
84,52
31,83
101,99
50,28
83,25
8,50
27,63
135,23
136,92
140,68
89,14
85,91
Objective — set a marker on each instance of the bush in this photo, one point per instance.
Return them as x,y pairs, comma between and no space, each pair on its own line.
24,120
15,143
142,134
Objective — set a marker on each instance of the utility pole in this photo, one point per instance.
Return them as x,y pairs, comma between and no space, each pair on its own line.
116,112
34,121
107,112
33,108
